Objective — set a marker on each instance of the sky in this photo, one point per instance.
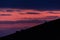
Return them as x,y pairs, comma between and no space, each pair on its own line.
12,21
31,4
7,28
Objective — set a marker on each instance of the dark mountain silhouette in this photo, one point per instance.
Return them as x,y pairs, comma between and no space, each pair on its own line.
48,30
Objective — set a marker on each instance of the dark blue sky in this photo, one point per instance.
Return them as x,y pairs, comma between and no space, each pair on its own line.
30,4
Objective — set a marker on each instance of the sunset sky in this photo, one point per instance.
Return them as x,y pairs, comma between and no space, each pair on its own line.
24,19
31,4
27,14
18,15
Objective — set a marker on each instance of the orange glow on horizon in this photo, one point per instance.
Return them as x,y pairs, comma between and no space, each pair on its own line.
22,14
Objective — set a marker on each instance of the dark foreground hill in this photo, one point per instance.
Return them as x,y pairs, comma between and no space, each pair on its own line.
48,30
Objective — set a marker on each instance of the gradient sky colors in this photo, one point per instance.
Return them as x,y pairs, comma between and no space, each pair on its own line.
25,14
12,20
